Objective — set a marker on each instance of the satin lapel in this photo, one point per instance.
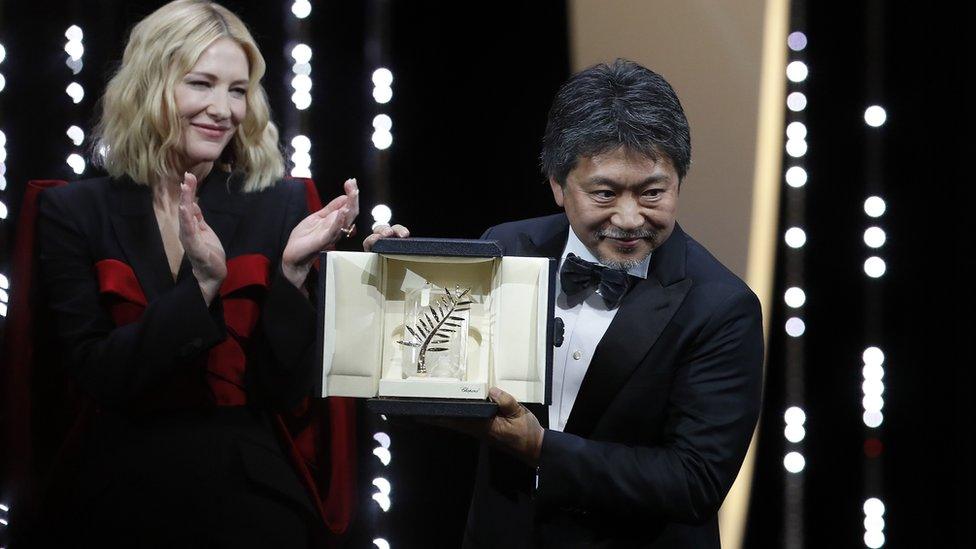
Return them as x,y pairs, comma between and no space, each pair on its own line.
138,235
138,232
644,313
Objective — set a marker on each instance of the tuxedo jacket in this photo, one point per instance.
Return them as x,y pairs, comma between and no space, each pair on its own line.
661,423
181,441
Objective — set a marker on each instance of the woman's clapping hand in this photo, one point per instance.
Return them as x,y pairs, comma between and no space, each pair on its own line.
319,231
201,245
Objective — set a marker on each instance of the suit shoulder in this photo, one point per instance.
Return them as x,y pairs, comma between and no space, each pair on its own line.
512,229
712,278
78,190
86,197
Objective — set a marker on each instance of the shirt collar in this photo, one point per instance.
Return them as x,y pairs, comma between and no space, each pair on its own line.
575,246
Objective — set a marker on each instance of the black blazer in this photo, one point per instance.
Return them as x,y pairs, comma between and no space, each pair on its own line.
662,421
159,455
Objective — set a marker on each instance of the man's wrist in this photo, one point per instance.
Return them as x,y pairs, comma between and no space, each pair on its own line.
535,450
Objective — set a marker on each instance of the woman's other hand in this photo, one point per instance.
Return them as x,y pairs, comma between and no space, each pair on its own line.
385,231
319,231
203,249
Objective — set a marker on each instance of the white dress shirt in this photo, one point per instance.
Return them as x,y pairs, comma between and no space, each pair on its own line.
586,318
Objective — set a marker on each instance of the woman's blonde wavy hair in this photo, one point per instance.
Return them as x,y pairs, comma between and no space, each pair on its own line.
140,130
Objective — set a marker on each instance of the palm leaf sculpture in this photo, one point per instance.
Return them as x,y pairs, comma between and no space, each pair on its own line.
435,326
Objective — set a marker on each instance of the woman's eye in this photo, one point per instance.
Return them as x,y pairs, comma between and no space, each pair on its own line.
199,83
239,91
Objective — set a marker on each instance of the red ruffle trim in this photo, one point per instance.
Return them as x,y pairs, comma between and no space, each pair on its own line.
247,280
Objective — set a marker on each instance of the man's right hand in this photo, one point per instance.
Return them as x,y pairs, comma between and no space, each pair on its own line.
384,231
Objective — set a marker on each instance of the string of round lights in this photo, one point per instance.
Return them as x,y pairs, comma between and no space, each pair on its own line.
4,281
382,137
299,57
384,488
377,160
873,359
301,83
377,170
795,237
75,50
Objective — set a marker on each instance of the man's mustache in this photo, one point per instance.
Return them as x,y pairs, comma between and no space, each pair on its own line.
614,232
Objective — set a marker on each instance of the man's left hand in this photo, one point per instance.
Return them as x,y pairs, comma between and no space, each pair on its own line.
385,231
515,429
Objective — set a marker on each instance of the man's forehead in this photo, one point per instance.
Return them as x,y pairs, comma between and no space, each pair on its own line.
625,162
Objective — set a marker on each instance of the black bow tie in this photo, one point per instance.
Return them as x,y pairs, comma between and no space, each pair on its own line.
577,275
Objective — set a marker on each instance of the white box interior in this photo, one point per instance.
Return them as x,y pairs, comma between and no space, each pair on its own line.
363,319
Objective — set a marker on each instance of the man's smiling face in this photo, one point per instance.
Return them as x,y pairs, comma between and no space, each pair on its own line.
620,203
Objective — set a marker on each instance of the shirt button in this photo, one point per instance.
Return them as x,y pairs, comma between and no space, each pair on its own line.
577,355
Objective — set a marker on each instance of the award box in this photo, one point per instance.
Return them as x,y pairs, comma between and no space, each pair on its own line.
362,327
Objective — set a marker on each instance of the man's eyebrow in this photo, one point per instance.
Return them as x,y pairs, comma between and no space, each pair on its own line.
613,183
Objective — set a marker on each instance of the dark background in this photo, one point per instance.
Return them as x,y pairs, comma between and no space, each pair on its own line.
911,61
472,87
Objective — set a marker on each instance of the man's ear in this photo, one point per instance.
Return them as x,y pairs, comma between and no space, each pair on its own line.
557,191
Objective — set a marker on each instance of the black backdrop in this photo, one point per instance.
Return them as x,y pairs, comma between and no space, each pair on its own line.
926,314
472,86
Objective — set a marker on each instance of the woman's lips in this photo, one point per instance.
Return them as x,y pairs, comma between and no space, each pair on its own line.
213,132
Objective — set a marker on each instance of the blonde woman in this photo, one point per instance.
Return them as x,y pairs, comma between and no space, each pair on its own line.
178,284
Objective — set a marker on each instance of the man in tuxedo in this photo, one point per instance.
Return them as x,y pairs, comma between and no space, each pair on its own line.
658,378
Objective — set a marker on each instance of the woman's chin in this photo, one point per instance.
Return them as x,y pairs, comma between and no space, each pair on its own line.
204,153
192,162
